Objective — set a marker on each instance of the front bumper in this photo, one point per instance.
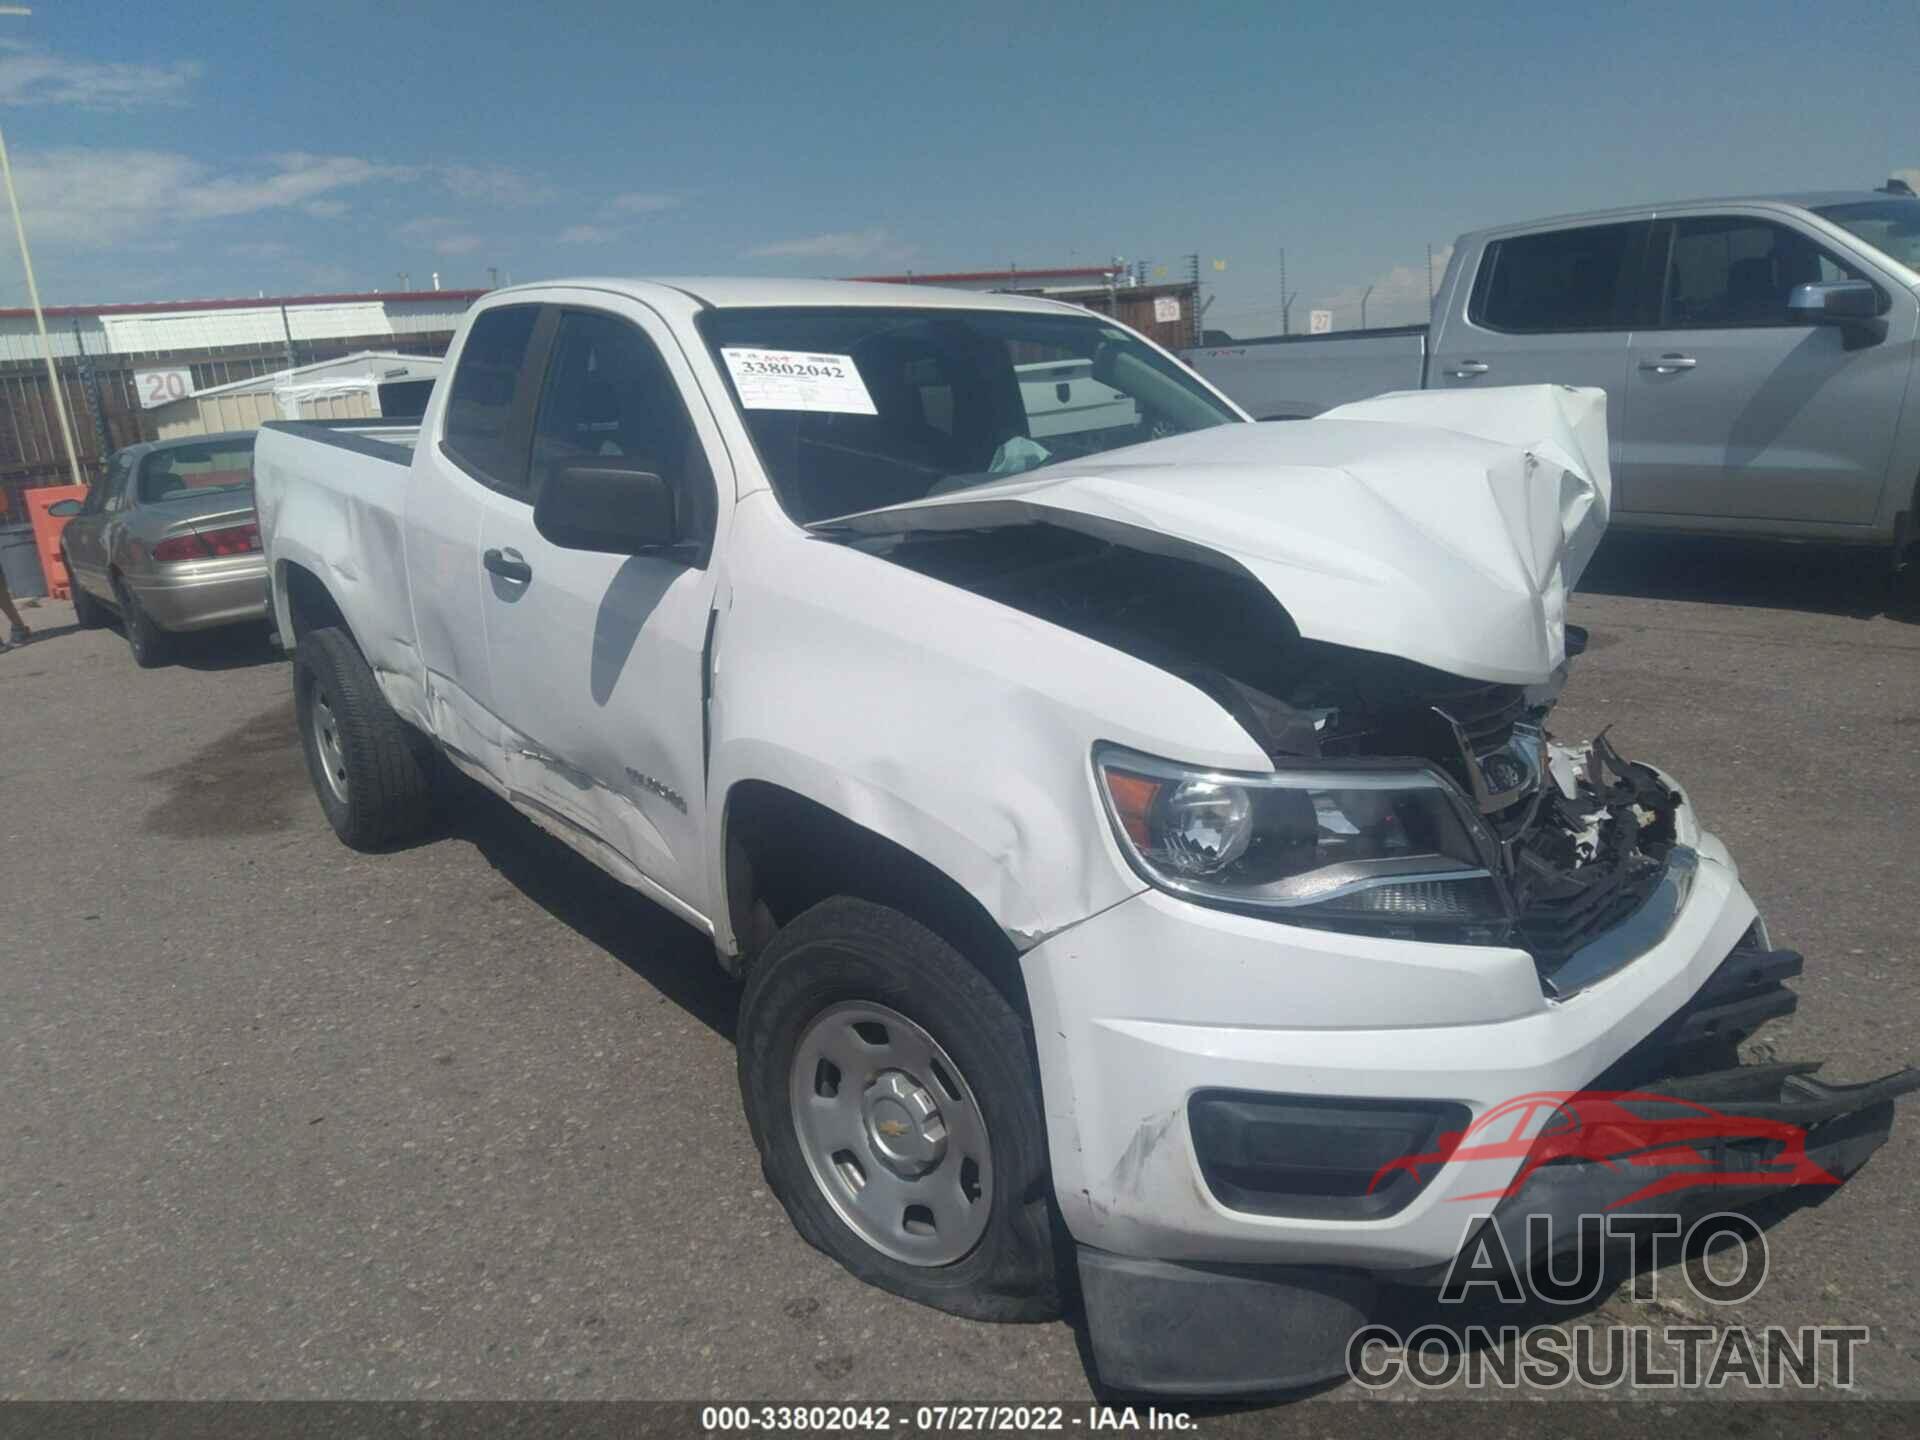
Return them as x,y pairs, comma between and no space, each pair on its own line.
202,594
1145,1004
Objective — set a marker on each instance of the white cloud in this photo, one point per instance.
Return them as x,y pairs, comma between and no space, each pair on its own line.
494,185
94,199
641,202
836,245
32,76
586,235
1399,296
439,233
326,209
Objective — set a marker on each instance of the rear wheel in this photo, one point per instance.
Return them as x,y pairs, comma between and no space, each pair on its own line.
891,1094
151,645
371,770
88,613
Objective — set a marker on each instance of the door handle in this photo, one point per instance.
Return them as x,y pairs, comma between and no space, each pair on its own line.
508,565
1668,364
1466,368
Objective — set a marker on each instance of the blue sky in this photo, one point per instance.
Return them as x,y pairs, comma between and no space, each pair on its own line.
169,151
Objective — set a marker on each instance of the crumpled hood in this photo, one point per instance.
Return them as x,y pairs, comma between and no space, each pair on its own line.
1445,527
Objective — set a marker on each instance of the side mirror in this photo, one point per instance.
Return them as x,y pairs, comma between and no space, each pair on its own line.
64,509
592,505
1839,302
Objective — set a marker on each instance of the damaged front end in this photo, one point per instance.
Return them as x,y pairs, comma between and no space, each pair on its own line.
1572,853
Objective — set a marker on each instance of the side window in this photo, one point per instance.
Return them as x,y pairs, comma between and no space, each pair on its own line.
1725,272
1559,280
478,433
608,395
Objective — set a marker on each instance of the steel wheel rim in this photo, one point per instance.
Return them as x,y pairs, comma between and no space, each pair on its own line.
326,747
892,1133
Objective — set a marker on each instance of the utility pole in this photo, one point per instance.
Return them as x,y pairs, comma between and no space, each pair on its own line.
1429,282
1286,327
286,328
96,404
40,318
1363,307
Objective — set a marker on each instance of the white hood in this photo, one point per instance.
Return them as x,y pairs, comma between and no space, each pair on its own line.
1445,527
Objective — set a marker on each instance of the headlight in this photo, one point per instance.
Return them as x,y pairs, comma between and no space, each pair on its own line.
1363,848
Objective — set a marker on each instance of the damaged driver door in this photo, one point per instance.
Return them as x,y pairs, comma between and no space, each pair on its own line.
596,657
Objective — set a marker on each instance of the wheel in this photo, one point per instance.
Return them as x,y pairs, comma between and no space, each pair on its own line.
151,645
890,1091
371,770
88,613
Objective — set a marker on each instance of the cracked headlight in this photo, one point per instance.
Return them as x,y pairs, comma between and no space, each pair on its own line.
1382,849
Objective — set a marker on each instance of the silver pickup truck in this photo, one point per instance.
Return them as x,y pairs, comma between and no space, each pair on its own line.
1757,356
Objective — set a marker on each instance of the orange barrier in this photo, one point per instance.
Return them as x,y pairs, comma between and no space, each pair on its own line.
46,533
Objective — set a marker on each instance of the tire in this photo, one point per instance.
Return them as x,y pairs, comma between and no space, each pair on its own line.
845,958
371,770
152,647
88,613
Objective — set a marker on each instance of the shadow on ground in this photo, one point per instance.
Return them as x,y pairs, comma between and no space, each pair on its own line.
1821,579
667,953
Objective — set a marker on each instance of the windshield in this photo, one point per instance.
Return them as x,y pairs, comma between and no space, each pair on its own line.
853,409
182,471
1891,226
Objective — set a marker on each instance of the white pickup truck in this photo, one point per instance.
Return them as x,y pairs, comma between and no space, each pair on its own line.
1137,834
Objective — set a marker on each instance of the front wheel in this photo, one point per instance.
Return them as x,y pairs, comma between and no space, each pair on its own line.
370,769
897,1113
151,646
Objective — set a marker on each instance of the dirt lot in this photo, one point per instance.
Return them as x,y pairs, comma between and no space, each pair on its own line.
461,1121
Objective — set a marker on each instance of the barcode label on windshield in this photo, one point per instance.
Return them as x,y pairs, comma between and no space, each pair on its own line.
795,380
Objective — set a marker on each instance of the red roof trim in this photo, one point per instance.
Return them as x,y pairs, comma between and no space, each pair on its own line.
162,307
960,277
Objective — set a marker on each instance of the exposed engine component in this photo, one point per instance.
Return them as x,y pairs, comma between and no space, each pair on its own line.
1580,838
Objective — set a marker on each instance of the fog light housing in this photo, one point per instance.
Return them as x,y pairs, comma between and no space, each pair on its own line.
1312,1157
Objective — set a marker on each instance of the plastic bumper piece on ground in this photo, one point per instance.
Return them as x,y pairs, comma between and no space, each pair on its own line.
1165,1329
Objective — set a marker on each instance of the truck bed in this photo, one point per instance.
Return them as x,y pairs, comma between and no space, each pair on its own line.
1294,377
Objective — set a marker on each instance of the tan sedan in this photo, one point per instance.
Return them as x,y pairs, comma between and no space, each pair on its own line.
170,541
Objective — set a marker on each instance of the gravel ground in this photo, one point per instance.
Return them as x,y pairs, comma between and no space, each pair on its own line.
461,1121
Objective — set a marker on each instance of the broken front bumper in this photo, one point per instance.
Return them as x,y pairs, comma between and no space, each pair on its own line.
1156,1003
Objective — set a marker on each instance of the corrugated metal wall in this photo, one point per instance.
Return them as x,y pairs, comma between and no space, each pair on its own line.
31,452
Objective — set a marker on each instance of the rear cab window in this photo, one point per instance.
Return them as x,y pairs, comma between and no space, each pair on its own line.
1583,278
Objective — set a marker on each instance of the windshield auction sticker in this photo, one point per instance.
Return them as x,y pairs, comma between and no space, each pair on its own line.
795,380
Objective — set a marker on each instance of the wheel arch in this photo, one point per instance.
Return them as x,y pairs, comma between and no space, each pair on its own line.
785,852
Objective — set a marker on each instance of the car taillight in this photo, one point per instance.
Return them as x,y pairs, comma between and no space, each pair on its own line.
234,540
209,544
